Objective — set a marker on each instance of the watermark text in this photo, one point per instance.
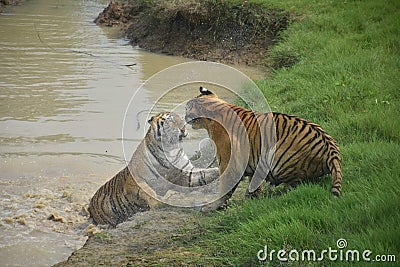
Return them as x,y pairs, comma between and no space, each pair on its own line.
338,253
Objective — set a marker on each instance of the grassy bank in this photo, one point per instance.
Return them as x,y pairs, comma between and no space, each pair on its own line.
338,66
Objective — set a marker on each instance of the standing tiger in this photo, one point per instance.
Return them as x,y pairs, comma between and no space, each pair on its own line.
158,156
275,147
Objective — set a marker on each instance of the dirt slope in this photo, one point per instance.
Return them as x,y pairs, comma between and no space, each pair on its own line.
218,31
138,242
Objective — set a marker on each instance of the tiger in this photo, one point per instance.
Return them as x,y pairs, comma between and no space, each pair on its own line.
280,148
158,156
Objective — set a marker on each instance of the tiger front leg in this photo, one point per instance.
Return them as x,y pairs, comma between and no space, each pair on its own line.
200,177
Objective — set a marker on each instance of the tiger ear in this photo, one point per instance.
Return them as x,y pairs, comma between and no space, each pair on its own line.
205,91
150,120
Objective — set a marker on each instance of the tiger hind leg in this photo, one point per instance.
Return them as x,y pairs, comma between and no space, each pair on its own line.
336,172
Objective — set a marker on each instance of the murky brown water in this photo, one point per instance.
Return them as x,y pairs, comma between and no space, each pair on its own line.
63,93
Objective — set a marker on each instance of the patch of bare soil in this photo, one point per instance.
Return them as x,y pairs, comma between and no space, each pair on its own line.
161,237
219,31
137,242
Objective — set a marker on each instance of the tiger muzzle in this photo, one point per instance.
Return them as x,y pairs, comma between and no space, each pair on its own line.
191,118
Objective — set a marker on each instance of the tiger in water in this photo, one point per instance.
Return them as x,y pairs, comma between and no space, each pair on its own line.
271,147
158,156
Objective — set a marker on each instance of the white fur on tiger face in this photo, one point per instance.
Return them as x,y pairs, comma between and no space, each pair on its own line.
168,129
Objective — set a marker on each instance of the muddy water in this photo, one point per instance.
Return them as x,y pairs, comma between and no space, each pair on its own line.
64,88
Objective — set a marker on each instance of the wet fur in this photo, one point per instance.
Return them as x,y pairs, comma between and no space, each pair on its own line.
159,153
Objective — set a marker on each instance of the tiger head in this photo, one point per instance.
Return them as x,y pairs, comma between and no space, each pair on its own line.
167,128
197,113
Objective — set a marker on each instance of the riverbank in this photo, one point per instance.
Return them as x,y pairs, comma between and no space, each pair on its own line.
235,32
138,241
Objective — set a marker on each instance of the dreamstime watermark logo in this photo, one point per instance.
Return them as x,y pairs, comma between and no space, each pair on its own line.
170,90
338,253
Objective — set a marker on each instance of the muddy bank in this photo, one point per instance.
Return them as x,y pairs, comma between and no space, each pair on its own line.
148,239
158,237
220,31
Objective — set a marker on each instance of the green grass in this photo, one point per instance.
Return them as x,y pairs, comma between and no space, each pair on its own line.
337,65
307,217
